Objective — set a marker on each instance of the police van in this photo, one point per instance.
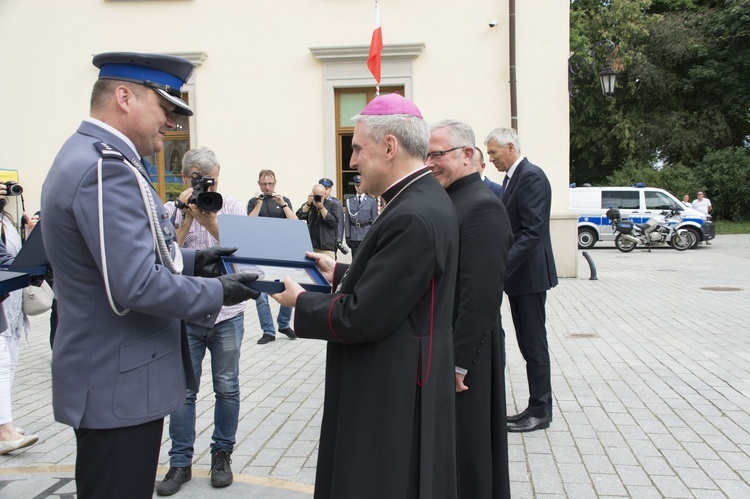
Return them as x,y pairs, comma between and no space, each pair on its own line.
638,204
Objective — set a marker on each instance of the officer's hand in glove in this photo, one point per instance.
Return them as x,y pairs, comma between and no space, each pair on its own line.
208,261
235,289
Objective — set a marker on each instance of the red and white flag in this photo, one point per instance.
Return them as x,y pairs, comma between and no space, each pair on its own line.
376,47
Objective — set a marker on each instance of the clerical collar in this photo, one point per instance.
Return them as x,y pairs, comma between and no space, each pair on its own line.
463,181
395,188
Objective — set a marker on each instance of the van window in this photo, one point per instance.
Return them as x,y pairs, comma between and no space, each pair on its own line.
658,201
627,200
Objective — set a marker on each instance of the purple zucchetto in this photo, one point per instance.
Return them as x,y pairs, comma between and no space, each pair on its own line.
391,104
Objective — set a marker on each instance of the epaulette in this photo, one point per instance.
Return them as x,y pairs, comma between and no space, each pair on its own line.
107,151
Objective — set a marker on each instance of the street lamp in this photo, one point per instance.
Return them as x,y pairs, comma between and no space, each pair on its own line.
607,76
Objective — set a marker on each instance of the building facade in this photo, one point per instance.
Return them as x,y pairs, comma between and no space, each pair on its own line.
277,82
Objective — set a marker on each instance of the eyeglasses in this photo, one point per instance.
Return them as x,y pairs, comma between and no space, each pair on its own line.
434,155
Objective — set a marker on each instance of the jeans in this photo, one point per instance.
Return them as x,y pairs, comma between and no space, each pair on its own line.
266,319
223,341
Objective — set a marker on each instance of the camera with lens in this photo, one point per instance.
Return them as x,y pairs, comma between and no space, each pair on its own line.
14,189
343,249
265,196
317,198
202,198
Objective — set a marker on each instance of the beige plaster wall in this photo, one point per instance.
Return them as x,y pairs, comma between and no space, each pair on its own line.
259,94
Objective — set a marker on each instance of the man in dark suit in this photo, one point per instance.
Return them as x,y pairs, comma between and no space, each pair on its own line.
121,361
479,167
484,240
530,271
387,428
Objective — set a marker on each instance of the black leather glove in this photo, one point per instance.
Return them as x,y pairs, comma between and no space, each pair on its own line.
208,261
236,289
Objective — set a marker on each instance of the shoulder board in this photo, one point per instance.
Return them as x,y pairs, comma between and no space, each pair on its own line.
107,151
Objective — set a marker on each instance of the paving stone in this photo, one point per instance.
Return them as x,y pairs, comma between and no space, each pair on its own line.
639,411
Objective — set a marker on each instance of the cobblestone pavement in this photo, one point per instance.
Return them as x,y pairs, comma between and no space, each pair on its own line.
650,376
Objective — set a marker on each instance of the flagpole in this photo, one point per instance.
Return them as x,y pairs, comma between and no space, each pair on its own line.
376,47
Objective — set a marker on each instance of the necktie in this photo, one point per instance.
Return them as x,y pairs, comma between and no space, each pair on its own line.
505,182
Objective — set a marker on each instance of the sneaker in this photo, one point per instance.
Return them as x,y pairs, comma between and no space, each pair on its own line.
221,471
174,479
266,338
289,332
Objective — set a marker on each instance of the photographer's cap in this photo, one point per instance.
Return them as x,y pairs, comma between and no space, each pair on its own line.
356,179
391,104
166,74
326,182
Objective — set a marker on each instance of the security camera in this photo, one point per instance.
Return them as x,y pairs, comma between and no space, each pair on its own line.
493,23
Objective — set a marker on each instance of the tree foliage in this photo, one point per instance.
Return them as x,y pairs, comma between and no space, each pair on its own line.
683,91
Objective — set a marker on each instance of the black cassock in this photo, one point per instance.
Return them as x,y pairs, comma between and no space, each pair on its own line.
388,426
485,238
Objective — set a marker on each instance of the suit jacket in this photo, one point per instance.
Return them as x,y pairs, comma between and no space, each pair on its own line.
111,370
388,426
360,216
494,187
528,200
485,238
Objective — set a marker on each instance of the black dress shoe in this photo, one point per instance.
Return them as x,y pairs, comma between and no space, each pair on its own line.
518,417
530,423
523,415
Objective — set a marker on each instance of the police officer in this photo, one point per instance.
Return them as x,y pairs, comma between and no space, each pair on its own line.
120,361
361,212
338,210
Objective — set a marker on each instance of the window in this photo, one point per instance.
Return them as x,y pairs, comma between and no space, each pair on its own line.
658,201
349,102
166,169
627,200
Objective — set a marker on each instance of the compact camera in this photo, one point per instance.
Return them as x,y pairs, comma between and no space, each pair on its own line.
317,198
201,197
14,189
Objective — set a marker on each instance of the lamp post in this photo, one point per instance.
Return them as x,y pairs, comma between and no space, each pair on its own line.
577,63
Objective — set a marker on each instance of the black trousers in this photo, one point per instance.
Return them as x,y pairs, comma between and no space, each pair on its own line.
118,463
354,245
529,319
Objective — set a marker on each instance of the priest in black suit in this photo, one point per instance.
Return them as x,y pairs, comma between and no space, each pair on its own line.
388,430
530,272
484,240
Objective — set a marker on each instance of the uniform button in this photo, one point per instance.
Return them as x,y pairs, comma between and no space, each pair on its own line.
164,215
481,342
166,231
479,352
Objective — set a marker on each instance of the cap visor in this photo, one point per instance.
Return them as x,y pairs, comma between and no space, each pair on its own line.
180,106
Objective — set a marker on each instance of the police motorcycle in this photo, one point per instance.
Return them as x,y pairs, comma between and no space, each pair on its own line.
657,231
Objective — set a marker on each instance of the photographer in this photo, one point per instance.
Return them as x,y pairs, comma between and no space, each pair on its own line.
269,203
198,229
322,221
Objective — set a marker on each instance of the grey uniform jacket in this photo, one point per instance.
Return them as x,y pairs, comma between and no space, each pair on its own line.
111,371
360,216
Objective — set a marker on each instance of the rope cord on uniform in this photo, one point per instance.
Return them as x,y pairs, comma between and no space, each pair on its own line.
174,266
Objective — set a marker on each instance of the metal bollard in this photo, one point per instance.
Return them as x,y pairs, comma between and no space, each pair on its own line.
591,266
